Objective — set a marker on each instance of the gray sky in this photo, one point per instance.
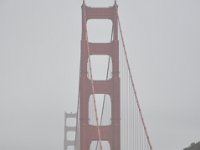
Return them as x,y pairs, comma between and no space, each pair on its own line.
39,64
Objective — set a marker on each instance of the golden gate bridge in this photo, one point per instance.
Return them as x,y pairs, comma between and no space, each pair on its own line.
108,114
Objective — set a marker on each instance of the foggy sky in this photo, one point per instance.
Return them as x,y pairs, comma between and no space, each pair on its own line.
39,66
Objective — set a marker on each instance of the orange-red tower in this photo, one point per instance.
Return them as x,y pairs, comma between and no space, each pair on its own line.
109,133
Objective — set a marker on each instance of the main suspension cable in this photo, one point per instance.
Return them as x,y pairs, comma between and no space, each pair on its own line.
133,85
77,114
104,98
91,77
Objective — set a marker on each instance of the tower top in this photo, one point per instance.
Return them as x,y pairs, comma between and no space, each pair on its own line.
115,3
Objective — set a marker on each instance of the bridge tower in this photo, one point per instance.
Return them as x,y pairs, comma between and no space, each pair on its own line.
109,133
